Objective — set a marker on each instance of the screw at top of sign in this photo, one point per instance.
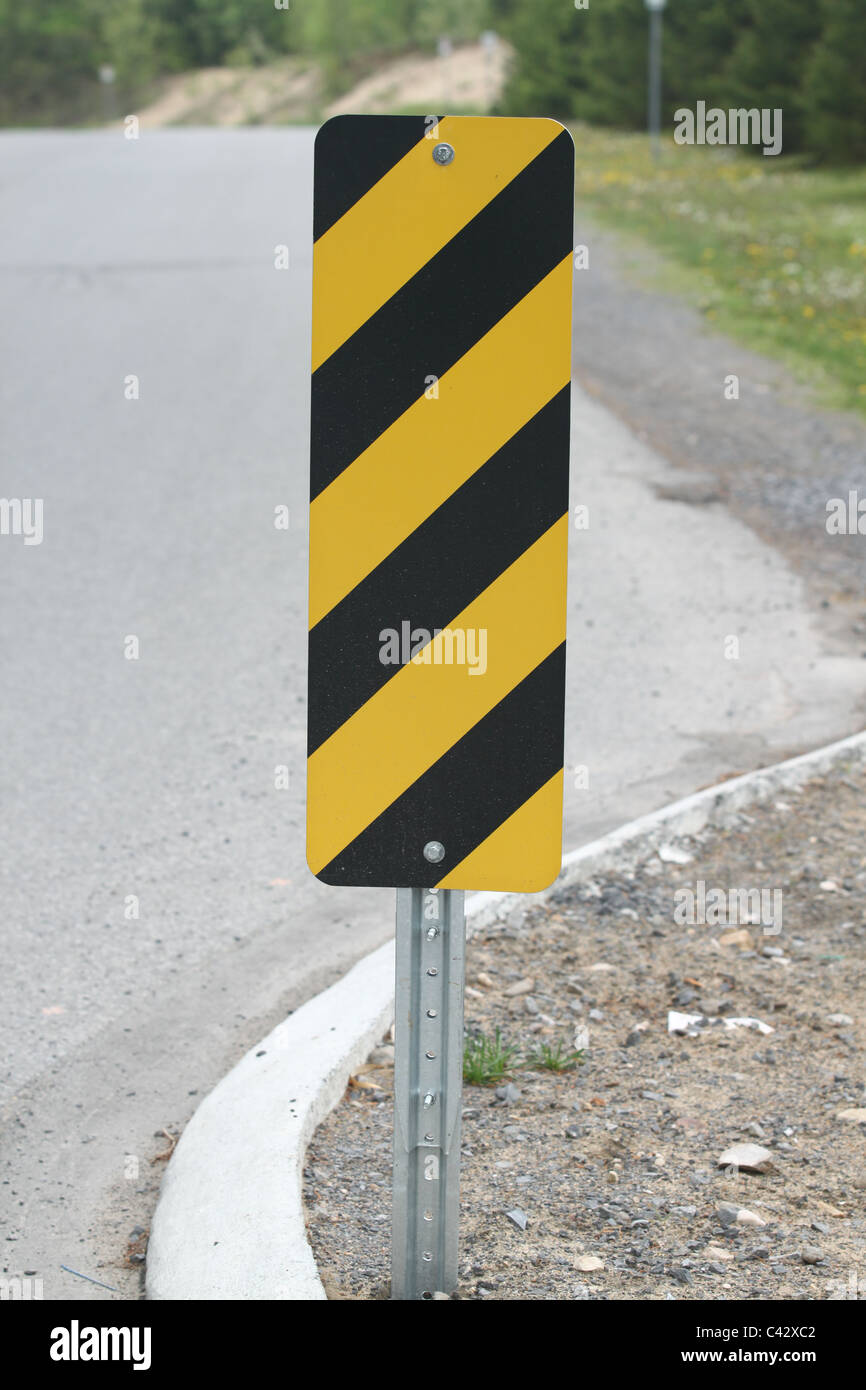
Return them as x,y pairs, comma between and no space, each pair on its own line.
434,852
443,153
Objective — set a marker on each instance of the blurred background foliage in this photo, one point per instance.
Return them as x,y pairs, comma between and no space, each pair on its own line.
806,56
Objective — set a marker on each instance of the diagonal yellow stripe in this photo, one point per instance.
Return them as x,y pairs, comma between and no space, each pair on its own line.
400,224
532,835
425,708
484,399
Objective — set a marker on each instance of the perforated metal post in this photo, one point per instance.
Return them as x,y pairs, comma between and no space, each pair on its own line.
428,1090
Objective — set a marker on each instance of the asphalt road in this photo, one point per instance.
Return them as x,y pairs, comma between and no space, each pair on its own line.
147,786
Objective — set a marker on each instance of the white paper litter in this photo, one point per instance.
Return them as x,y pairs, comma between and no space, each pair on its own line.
691,1025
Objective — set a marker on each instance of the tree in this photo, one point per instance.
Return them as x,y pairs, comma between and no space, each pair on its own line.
545,75
767,66
700,37
835,85
613,57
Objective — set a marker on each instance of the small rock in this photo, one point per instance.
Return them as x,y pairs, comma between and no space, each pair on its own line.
518,1217
587,1263
509,1093
811,1255
731,1215
519,987
601,967
633,1037
754,1128
739,937
749,1157
597,1015
572,1131
484,980
840,1020
672,854
513,1132
530,1005
857,1116
822,1227
681,1274
828,885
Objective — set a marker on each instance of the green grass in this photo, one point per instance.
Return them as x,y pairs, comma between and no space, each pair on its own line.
772,252
555,1058
487,1060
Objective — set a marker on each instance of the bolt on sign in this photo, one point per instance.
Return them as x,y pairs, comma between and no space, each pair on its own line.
442,277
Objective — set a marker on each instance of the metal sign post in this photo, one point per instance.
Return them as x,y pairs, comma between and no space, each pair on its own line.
439,460
428,1084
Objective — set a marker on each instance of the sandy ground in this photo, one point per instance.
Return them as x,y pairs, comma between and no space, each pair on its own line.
604,1181
470,77
235,96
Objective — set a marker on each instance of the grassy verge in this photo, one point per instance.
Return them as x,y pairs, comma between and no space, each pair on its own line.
773,252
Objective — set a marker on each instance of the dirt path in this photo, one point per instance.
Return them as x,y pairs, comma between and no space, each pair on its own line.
771,456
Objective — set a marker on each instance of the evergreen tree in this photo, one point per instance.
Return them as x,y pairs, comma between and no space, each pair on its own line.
767,66
545,75
700,37
835,85
613,63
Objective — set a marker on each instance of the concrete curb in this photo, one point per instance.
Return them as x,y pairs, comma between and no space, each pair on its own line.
230,1221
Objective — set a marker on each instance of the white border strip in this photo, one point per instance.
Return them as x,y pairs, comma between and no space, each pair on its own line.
230,1219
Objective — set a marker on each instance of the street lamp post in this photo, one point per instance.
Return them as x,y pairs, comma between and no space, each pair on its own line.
654,82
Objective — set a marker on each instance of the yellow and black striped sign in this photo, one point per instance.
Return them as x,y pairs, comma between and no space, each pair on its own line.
442,274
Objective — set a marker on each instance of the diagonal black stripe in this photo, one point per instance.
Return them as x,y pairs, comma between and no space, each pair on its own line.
478,784
456,553
428,325
353,153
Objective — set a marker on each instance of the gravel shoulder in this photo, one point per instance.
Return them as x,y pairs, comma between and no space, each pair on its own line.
604,1181
773,456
